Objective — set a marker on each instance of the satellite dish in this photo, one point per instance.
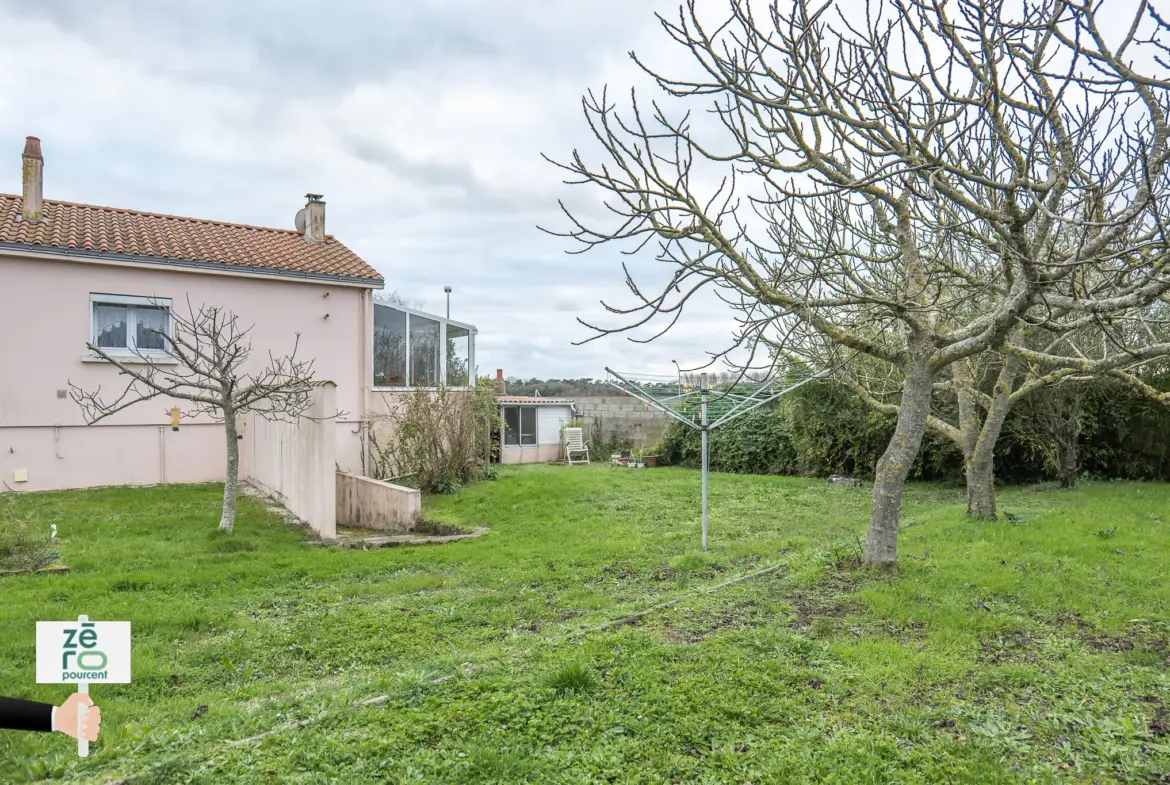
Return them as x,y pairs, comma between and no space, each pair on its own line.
299,221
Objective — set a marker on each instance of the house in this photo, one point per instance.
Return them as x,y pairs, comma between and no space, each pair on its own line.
533,427
71,274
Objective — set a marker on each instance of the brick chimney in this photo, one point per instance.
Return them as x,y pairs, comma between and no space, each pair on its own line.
33,177
314,219
501,385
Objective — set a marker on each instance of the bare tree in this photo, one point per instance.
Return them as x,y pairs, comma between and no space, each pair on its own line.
910,183
1062,413
1050,428
203,362
1051,360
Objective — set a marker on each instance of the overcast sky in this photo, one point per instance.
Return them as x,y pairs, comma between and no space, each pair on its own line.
422,122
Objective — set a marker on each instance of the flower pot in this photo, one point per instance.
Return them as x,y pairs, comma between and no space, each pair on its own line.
651,461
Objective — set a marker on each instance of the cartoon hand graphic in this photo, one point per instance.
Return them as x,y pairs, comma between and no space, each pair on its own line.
65,717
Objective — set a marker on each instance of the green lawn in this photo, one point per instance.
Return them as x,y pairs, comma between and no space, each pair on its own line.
1018,651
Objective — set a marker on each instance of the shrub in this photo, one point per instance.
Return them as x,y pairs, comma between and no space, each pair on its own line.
822,428
24,547
819,429
440,438
1123,436
446,483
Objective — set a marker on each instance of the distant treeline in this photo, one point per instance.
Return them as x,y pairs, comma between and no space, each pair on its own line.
560,388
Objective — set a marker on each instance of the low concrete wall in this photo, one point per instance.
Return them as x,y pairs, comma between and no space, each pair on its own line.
530,453
374,504
621,419
294,462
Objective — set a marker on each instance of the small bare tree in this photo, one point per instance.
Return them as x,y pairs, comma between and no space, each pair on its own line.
910,182
203,362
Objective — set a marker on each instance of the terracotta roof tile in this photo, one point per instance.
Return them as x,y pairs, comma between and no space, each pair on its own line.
530,399
111,230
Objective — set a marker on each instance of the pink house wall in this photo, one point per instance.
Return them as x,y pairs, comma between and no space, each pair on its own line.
45,324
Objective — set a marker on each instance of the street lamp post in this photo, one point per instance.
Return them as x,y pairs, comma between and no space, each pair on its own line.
447,289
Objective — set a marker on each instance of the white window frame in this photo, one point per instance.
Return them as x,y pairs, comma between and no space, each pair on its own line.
443,322
130,350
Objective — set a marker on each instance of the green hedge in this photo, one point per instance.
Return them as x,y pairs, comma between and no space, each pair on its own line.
823,428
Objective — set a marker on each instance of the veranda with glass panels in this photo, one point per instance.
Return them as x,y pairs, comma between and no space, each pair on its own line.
414,349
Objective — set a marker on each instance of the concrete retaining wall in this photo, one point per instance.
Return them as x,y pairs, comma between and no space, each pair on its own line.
374,504
620,419
294,462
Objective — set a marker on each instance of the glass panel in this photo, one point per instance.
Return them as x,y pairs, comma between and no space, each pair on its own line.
109,326
151,327
511,425
528,425
424,352
458,356
389,347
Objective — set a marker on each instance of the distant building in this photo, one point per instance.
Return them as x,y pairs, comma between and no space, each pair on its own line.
532,429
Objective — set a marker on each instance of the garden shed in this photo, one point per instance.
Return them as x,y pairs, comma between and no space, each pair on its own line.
533,427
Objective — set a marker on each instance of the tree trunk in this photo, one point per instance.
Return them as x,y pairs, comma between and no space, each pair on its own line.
980,464
231,482
980,483
881,539
980,489
969,421
1068,465
1069,434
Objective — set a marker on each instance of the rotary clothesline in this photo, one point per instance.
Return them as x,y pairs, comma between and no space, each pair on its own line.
704,406
683,400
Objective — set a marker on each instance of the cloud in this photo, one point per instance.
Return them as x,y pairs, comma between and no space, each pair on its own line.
423,123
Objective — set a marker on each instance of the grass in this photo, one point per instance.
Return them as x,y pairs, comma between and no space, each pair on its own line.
1024,650
572,679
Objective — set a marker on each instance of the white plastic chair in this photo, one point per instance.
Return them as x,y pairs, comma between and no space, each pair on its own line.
575,445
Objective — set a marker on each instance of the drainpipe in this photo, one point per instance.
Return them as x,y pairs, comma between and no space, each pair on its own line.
367,372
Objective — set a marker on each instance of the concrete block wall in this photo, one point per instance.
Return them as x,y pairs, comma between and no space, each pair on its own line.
621,419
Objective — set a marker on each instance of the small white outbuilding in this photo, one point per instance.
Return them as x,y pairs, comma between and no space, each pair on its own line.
532,428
